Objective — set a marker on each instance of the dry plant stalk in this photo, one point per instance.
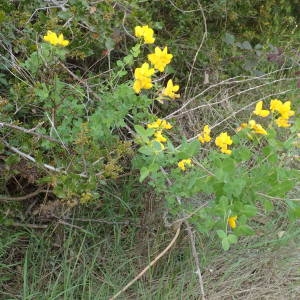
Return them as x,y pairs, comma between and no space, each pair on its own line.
153,262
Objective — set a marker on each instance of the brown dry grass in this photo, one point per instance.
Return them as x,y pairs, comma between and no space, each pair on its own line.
256,274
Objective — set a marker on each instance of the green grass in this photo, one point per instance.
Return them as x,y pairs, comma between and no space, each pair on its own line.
95,260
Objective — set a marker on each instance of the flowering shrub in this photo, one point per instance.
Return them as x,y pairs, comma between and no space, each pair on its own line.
80,138
233,184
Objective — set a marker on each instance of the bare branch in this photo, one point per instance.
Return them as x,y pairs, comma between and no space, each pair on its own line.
29,131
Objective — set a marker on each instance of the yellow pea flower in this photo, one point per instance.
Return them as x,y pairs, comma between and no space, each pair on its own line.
170,90
257,128
143,71
140,84
159,137
160,58
52,38
184,163
144,32
285,111
204,136
222,141
142,77
232,221
259,111
282,122
275,105
159,123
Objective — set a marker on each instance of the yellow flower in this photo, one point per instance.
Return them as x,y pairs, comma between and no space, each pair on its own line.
204,137
159,137
275,104
140,84
259,111
143,71
284,109
282,122
52,38
222,141
232,221
160,58
142,77
257,128
144,32
159,123
170,90
184,163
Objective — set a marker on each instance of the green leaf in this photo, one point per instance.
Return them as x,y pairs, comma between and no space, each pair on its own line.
232,239
170,146
234,187
188,149
246,45
225,244
136,50
122,73
244,229
242,154
249,210
229,38
144,172
221,234
147,150
120,63
142,132
128,60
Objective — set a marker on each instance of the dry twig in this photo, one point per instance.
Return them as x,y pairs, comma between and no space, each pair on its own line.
153,262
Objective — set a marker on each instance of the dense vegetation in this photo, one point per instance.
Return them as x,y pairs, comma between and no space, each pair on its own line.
123,122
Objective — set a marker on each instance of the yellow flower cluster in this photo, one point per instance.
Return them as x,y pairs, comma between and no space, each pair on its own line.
159,59
232,221
284,111
160,125
184,163
223,140
159,137
142,77
55,40
204,136
144,32
255,127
